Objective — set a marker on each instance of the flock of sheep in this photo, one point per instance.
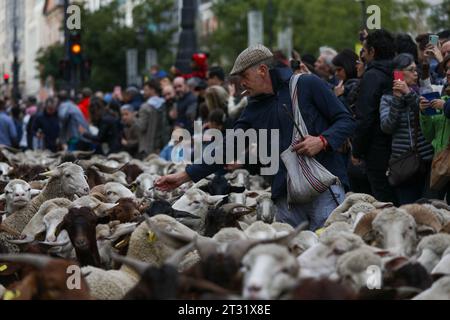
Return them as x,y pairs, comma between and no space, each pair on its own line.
216,239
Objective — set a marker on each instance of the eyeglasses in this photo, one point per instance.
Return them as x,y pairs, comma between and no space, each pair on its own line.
411,69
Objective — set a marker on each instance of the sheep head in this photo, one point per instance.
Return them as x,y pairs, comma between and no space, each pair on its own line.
115,191
144,184
72,177
265,209
197,202
17,195
268,271
392,229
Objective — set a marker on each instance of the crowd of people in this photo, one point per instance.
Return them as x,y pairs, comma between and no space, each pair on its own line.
384,87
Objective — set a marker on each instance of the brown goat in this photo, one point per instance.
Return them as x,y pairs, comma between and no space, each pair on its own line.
48,281
80,224
132,171
126,210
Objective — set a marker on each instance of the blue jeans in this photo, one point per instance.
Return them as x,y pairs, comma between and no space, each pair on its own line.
315,212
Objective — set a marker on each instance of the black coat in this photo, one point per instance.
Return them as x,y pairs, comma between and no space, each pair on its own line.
109,132
369,142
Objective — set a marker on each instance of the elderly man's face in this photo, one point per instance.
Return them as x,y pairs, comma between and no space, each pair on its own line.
322,68
445,49
254,80
180,87
127,117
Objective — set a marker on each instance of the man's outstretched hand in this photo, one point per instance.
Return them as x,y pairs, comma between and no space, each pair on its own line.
173,181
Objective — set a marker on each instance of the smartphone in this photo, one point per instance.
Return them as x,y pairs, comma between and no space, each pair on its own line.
430,97
433,39
398,75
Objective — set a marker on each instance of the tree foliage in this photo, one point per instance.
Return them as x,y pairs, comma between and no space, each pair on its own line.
315,23
440,16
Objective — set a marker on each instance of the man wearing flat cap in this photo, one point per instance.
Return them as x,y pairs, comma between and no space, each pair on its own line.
328,121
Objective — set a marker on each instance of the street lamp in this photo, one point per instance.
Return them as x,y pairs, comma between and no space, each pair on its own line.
363,14
187,44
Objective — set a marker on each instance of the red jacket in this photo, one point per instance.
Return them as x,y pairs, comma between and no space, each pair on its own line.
84,108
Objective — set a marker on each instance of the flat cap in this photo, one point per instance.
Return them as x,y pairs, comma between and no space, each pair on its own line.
250,57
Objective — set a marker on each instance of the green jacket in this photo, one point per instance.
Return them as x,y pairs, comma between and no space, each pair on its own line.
436,129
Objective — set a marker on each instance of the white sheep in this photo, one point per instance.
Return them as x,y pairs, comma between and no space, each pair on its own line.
268,270
17,195
440,290
144,246
431,248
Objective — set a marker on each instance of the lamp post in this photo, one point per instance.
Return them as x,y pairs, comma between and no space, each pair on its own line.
187,44
363,13
15,66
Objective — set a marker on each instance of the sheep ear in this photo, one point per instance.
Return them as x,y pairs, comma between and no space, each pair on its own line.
35,192
215,200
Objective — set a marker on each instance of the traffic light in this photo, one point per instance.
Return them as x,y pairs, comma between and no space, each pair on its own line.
6,78
75,47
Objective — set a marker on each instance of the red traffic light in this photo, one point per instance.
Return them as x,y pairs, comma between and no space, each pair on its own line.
6,77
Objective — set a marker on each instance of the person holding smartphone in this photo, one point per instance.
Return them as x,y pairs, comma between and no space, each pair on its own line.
399,117
436,128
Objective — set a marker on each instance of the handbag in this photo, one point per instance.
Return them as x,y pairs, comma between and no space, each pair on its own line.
306,177
403,168
440,168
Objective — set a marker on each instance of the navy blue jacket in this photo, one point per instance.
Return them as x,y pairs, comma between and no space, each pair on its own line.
447,109
322,112
49,125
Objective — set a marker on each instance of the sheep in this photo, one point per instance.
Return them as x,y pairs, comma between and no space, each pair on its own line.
49,281
80,224
260,230
197,202
132,172
443,266
354,205
395,229
17,195
431,248
144,184
305,240
353,266
143,246
224,216
239,177
320,260
440,290
220,186
268,270
113,191
221,260
265,209
126,210
66,181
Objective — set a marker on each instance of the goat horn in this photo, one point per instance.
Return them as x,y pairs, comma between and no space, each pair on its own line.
423,215
364,225
122,231
36,260
229,207
137,265
106,169
54,244
205,246
284,240
28,239
176,258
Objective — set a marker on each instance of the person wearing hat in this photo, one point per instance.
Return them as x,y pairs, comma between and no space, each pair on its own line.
328,121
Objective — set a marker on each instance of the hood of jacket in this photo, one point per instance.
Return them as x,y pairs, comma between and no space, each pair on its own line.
156,102
384,66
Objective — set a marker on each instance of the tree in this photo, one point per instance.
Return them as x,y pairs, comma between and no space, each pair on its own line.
315,23
440,15
105,38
